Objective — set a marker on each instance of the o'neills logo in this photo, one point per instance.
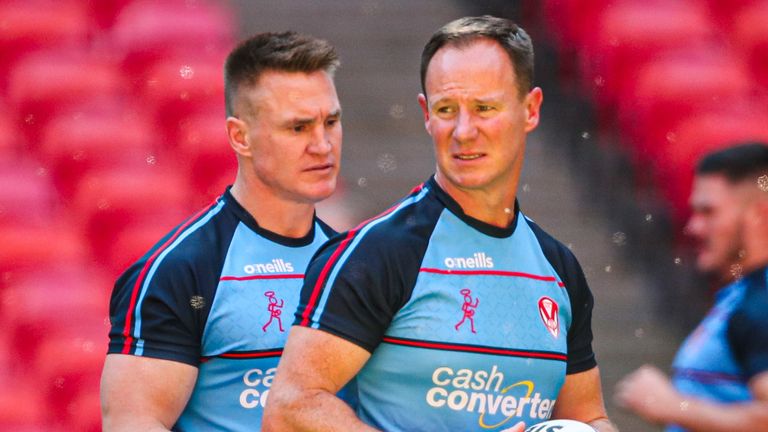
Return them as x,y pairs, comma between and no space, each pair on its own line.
479,260
487,394
277,265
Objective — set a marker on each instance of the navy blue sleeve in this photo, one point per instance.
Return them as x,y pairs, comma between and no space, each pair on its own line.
359,280
748,329
160,323
160,305
581,356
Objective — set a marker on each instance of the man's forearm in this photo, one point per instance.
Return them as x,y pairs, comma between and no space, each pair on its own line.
311,411
701,416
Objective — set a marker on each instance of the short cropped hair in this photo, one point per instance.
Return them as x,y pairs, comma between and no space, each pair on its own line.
463,31
742,162
285,51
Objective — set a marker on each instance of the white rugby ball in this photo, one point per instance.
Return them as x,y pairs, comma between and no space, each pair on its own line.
560,426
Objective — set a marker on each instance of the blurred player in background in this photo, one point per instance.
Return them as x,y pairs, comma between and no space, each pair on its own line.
720,375
196,332
388,302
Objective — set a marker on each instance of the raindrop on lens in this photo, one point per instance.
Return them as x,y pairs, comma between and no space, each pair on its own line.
762,182
397,111
386,162
197,302
619,238
186,72
671,137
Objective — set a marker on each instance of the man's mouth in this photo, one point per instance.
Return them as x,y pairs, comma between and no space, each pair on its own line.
467,157
320,167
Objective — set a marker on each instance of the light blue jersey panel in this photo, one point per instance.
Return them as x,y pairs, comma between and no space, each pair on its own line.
478,353
246,331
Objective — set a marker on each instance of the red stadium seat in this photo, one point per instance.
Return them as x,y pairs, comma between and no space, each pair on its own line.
149,31
85,412
30,248
55,302
106,203
750,34
20,403
726,13
572,20
183,86
104,13
69,369
202,148
26,26
697,136
26,193
79,141
51,82
629,34
676,88
11,142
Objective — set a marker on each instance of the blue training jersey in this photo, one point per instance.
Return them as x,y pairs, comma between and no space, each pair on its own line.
469,326
216,293
729,347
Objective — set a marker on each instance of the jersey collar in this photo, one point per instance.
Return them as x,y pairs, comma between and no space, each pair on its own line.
483,227
251,223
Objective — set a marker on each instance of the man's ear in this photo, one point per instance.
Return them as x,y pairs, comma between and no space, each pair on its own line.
424,109
533,101
237,133
758,211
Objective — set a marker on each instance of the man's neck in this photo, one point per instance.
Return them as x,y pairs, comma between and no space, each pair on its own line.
495,208
280,216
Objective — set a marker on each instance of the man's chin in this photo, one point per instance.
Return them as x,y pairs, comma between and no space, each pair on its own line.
320,193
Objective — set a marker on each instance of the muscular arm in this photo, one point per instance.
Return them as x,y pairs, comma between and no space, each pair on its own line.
581,398
141,393
649,393
315,365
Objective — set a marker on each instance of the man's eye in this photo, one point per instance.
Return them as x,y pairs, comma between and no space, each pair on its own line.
484,108
445,110
300,128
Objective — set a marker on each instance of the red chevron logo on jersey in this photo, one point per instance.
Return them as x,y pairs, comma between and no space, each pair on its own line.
548,311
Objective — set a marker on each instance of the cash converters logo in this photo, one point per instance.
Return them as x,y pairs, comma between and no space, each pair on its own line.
258,383
486,394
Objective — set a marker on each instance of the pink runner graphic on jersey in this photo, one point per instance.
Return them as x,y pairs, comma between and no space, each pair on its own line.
469,310
275,310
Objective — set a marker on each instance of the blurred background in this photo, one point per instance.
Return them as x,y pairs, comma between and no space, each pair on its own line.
112,131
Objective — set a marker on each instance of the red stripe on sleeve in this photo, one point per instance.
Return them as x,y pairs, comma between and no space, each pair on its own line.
137,287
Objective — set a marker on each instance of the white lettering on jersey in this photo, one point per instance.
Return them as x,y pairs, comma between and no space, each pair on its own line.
478,260
485,393
277,265
258,383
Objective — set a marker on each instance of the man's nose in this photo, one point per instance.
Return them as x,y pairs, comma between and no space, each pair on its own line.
465,128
